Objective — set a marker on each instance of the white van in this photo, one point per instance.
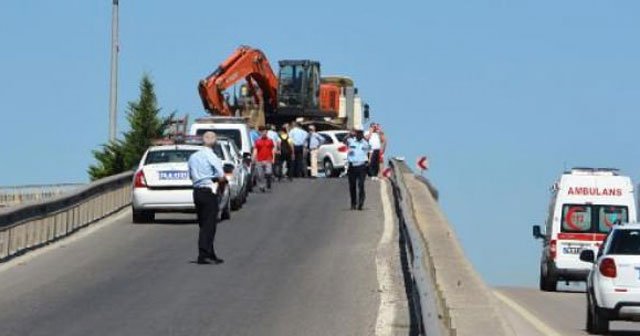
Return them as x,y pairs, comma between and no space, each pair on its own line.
233,128
585,204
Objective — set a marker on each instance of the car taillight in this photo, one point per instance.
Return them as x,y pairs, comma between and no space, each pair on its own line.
608,268
553,249
342,149
139,181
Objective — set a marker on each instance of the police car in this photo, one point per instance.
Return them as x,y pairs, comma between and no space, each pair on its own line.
613,285
161,182
585,204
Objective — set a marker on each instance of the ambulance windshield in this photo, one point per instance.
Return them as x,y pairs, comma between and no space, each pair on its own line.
592,218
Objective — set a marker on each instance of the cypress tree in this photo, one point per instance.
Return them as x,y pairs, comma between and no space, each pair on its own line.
145,124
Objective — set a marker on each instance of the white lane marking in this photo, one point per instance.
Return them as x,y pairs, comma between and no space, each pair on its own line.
25,258
386,308
387,233
531,318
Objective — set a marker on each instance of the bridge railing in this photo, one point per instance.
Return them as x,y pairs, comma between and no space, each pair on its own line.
451,296
16,195
32,225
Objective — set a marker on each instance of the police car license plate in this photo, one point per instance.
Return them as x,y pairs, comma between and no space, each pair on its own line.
173,175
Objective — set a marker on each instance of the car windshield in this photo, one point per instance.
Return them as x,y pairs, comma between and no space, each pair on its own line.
340,136
625,242
168,156
592,218
230,133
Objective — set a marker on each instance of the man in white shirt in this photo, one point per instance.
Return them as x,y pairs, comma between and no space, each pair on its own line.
373,136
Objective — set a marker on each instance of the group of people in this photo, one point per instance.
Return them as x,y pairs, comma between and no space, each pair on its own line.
291,147
272,151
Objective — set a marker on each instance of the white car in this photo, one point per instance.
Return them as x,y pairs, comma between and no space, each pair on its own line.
332,155
239,180
613,284
161,182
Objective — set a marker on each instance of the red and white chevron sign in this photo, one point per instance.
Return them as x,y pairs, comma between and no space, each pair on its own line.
387,173
422,163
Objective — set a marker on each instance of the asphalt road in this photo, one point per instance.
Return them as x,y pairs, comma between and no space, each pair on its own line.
298,262
560,313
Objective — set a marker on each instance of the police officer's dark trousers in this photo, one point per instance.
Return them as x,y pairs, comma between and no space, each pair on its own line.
298,162
357,175
207,209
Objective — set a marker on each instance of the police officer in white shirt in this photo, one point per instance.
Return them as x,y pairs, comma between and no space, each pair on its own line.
205,170
358,147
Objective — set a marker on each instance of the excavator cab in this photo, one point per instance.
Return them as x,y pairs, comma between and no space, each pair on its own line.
299,87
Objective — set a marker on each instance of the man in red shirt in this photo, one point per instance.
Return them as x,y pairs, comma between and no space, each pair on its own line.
264,152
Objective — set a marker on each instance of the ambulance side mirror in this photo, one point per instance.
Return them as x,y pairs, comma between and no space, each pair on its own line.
537,233
587,256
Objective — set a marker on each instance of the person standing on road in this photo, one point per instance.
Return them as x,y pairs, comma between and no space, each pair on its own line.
314,142
264,154
273,135
254,135
286,153
298,137
373,136
205,170
357,157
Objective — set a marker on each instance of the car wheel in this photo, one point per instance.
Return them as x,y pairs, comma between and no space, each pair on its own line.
600,320
589,314
236,204
548,282
328,168
245,195
143,216
226,212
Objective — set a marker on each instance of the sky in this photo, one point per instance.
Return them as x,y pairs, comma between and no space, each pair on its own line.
500,95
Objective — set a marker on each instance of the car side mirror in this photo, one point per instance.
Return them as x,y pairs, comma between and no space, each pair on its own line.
228,168
537,232
587,256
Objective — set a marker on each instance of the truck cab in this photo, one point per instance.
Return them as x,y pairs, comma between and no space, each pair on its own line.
585,204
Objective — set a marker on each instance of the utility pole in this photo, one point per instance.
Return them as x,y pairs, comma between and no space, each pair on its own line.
113,91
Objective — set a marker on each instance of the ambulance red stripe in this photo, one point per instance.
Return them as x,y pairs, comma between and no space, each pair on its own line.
581,236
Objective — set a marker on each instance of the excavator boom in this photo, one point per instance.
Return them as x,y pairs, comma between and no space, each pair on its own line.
245,63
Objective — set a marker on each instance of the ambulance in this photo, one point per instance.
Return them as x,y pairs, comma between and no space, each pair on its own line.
585,204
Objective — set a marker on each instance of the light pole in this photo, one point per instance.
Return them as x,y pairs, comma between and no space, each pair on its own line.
113,91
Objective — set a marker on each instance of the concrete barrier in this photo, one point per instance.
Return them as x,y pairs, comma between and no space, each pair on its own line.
32,225
467,305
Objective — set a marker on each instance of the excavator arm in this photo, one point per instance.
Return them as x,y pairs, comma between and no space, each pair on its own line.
245,63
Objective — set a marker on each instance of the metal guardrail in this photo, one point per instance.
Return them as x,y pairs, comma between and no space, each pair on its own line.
29,226
453,299
16,195
423,293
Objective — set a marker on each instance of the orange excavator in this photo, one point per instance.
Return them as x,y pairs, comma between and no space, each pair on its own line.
298,91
